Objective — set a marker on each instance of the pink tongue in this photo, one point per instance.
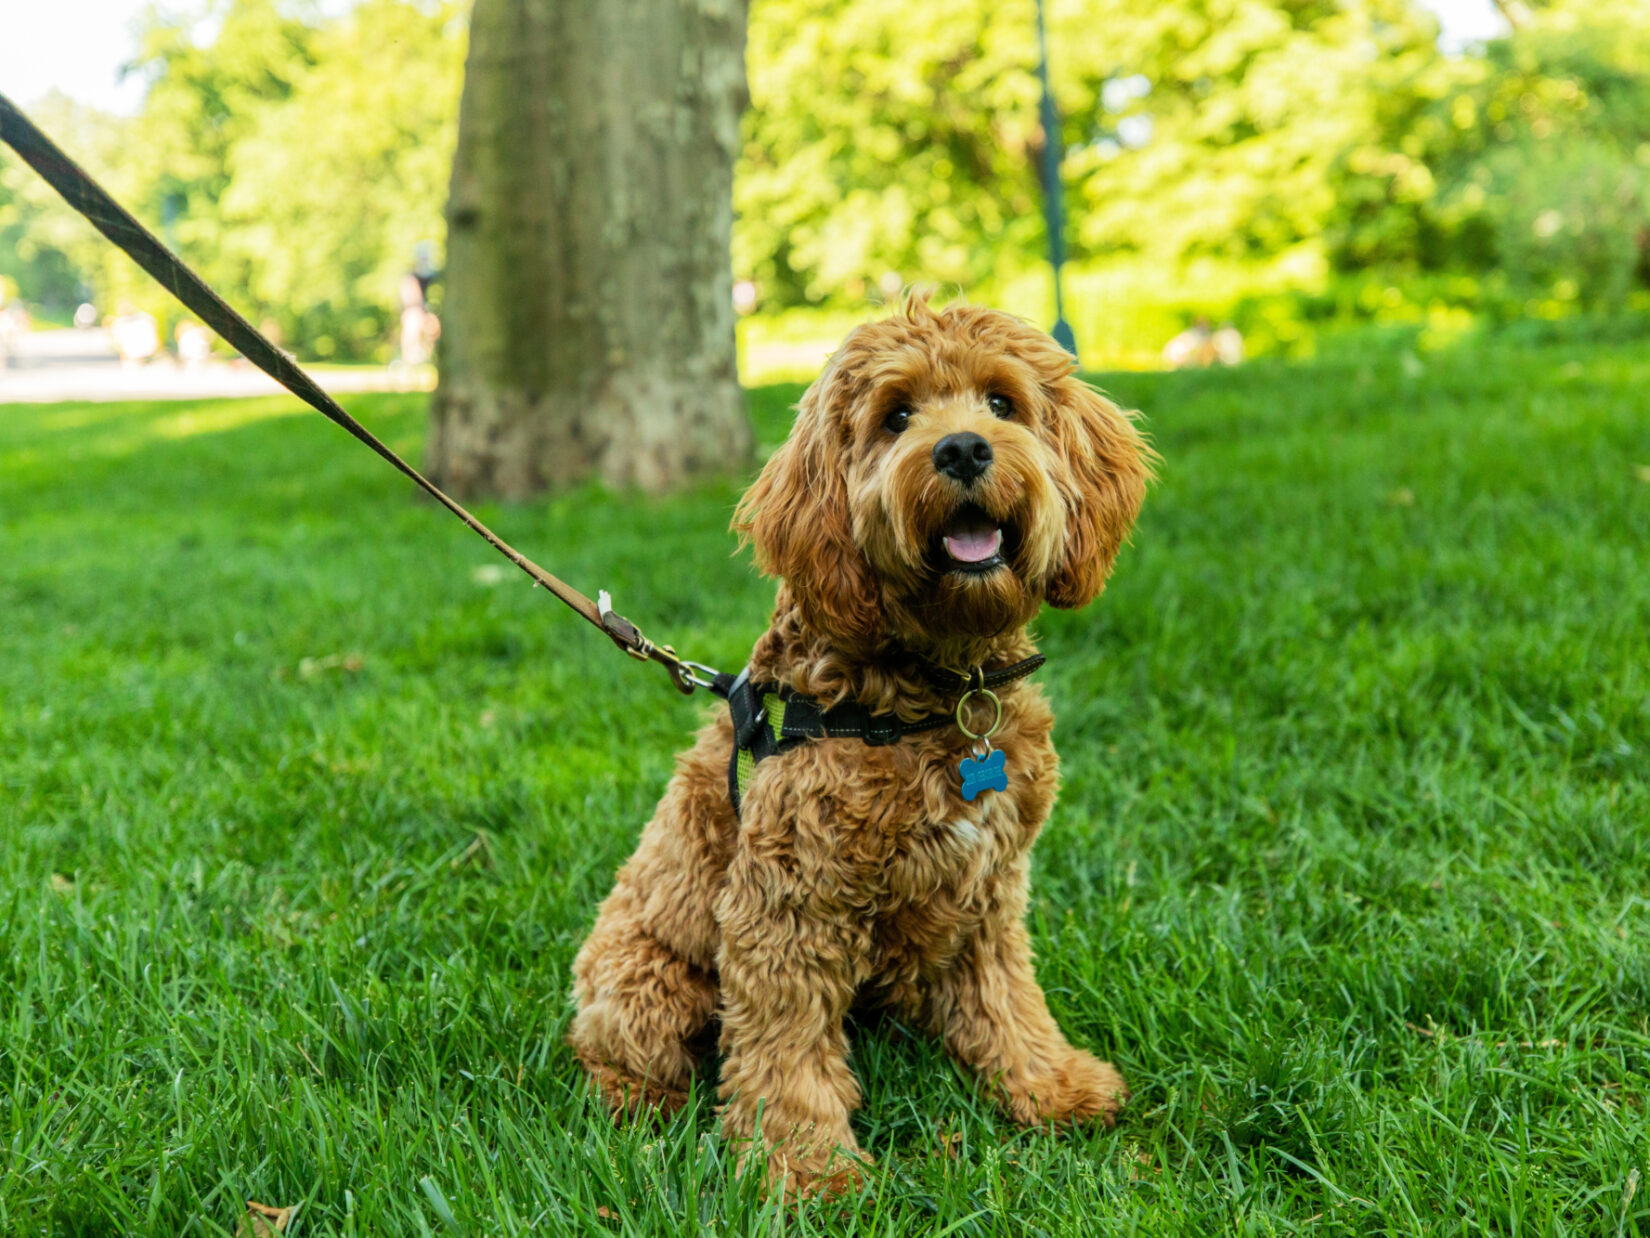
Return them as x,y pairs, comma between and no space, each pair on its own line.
974,546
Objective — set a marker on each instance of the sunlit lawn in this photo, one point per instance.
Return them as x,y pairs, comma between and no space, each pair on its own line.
305,806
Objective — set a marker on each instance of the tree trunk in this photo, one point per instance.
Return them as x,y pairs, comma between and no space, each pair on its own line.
588,316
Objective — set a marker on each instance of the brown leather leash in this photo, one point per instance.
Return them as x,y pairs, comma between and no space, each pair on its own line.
93,202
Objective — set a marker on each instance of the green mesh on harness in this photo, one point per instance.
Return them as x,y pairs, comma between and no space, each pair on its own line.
775,705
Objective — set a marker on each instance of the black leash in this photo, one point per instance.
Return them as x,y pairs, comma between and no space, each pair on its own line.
111,219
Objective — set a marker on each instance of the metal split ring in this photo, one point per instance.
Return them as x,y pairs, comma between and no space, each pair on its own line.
996,721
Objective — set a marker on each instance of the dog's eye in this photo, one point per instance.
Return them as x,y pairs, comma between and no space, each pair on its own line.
1001,405
897,420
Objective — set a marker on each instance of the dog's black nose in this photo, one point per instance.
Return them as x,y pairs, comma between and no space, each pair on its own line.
962,456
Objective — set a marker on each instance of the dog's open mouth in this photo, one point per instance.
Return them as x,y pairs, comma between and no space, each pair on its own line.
974,542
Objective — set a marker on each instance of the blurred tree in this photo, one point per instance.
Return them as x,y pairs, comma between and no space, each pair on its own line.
213,72
295,162
47,249
1240,116
1549,156
332,190
1529,162
308,157
902,138
1573,221
589,310
888,139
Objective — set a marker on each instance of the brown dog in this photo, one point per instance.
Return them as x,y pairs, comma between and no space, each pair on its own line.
946,475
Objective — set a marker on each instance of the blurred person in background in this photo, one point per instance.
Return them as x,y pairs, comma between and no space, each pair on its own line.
419,327
13,322
136,335
194,344
1193,347
1227,342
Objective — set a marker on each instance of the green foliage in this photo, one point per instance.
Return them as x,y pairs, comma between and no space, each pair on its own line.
1348,872
1250,105
1531,161
886,138
325,213
1572,219
1248,158
903,139
1218,157
45,248
295,162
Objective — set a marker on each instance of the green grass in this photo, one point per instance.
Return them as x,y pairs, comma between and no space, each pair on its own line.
1351,873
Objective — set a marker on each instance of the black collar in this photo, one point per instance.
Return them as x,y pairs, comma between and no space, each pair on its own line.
948,679
759,733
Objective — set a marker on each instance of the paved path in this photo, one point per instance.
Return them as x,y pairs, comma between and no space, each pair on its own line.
45,367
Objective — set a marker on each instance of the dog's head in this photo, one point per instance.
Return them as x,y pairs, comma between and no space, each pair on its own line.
946,475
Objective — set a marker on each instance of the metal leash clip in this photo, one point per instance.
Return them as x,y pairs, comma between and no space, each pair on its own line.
627,636
696,673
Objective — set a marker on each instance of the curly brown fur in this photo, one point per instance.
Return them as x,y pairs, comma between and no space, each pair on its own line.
857,870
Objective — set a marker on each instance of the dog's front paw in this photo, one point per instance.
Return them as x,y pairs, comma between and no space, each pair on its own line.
800,1169
1078,1088
809,1178
629,1097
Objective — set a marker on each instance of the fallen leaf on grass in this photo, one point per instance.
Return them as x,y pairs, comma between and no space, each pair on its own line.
606,1213
62,884
309,668
263,1220
1642,471
948,1145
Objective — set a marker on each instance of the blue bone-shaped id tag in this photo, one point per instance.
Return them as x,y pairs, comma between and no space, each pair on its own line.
987,773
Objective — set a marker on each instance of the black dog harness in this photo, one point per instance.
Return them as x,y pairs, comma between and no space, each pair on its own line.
772,718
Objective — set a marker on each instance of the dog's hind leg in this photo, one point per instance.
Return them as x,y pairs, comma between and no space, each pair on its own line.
645,981
641,1005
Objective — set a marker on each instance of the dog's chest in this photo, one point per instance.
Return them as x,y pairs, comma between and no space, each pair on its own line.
941,884
950,850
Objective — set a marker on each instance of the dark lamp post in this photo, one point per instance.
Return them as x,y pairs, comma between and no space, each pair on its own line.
1052,205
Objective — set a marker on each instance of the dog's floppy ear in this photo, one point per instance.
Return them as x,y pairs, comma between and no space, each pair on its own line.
1107,467
796,515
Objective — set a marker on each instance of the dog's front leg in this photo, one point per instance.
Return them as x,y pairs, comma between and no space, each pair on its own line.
791,955
991,1012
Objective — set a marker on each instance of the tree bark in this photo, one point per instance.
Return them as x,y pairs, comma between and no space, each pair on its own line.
588,315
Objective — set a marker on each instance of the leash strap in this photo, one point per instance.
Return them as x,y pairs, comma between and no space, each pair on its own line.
92,201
